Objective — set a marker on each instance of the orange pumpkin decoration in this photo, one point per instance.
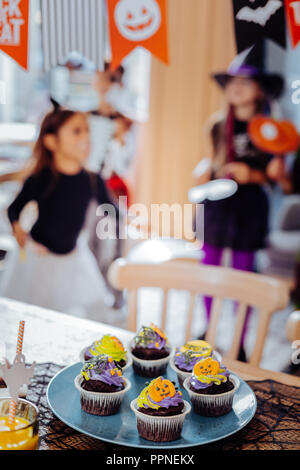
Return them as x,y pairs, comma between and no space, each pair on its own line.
206,366
160,389
158,331
277,137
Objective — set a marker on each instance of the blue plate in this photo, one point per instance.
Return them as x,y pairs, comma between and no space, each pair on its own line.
64,401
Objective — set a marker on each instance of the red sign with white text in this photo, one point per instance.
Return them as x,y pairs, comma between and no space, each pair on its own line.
14,19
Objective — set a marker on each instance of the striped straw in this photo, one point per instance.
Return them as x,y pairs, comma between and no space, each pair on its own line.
12,412
20,337
13,404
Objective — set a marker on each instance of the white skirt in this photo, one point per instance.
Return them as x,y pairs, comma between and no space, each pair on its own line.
66,283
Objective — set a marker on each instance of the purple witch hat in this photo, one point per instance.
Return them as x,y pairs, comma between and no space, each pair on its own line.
249,64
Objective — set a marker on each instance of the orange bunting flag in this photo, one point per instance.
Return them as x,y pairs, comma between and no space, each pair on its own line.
134,23
14,30
292,8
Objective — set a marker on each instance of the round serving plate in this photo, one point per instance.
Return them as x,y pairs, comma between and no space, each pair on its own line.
64,401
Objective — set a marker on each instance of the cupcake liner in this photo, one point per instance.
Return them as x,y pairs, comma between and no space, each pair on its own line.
98,403
128,359
182,375
160,428
212,405
151,368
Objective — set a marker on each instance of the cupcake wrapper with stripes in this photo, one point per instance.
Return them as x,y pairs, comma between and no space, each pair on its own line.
151,368
212,405
160,428
100,404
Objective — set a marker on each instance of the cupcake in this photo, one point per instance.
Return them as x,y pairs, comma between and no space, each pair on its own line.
150,351
211,388
160,411
109,345
186,357
101,386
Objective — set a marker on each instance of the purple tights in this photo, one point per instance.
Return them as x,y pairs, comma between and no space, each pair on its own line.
243,260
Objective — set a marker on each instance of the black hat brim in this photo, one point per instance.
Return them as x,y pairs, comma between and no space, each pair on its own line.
272,84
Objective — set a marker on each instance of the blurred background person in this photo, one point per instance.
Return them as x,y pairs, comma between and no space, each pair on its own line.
239,222
113,148
55,269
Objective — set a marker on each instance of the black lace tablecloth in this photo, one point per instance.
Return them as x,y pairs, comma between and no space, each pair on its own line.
276,425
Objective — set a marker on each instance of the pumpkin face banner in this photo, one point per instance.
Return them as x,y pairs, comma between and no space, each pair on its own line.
207,366
161,389
134,23
138,20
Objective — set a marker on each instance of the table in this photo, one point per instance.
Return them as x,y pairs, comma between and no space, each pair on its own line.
54,339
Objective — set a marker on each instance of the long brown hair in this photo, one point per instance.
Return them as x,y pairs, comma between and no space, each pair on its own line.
53,121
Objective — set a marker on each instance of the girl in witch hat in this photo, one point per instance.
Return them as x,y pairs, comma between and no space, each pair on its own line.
59,271
239,222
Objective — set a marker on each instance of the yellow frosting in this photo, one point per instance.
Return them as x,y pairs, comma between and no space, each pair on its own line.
109,345
143,398
197,348
208,371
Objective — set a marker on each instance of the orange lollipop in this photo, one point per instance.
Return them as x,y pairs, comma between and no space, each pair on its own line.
277,137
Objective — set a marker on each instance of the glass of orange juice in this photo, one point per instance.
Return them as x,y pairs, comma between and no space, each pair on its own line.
23,435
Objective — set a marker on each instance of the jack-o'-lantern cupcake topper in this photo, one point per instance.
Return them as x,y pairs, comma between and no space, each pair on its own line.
209,371
159,393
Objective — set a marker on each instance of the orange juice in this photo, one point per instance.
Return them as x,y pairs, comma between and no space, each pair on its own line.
23,434
20,436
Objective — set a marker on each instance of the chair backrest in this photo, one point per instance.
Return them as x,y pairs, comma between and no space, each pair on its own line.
248,289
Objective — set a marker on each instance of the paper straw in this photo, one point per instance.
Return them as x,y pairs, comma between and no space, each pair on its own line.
13,404
12,412
20,337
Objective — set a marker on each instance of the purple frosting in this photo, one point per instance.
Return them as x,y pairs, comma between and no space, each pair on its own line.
104,370
158,343
195,383
167,402
185,362
149,339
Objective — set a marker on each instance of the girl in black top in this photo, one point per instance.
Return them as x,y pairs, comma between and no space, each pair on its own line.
239,222
58,272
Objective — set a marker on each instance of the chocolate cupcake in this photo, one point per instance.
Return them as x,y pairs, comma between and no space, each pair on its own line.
101,386
211,388
111,346
186,357
160,411
150,351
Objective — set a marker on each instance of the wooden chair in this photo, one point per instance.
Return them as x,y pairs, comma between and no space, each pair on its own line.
266,294
293,327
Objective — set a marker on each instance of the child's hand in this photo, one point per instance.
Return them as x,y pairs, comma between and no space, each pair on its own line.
239,171
276,169
20,234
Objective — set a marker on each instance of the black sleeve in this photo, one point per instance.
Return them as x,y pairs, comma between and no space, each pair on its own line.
296,175
28,193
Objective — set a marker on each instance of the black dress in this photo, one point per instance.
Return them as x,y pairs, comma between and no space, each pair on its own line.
240,222
62,204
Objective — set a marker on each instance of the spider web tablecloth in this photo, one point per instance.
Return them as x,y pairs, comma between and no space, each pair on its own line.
275,426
